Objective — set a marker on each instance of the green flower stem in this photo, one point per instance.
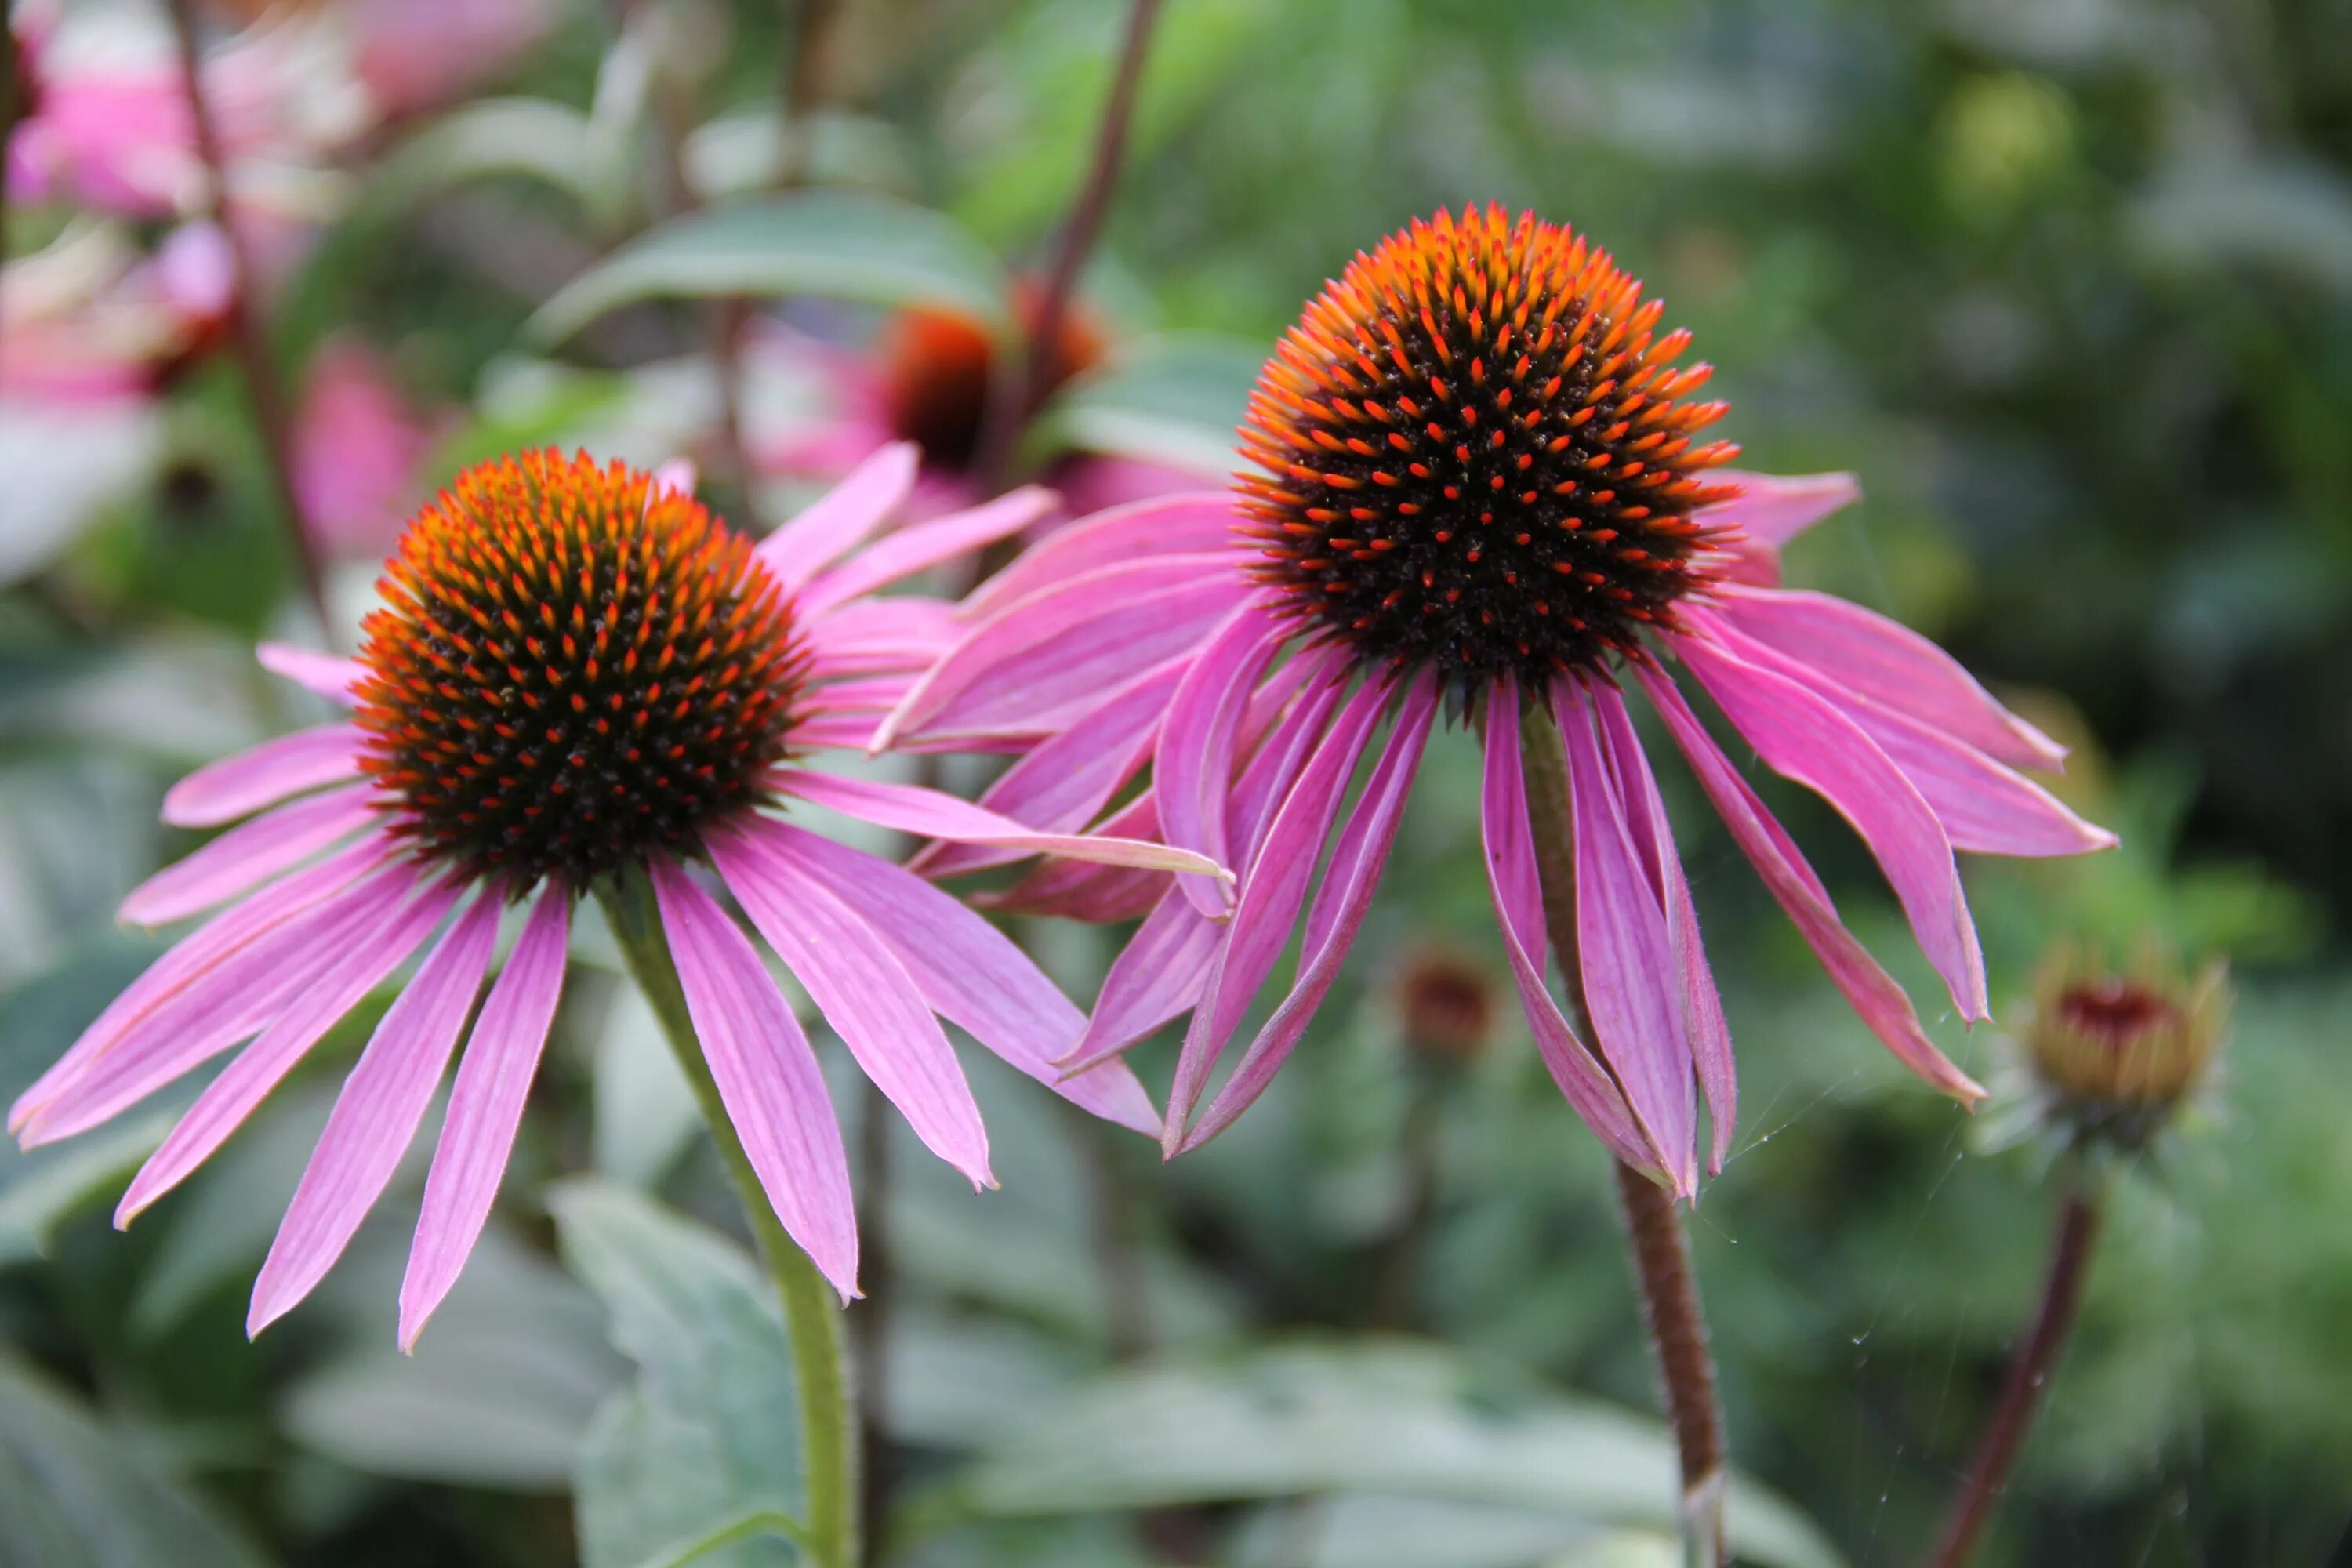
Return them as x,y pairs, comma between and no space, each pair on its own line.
812,1315
1654,1222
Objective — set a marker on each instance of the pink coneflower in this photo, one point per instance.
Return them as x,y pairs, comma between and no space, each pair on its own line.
579,674
1478,476
358,451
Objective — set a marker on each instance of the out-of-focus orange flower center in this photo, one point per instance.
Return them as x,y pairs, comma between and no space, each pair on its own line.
937,368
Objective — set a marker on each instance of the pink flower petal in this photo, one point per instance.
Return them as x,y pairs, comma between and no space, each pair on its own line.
1773,509
246,1082
767,1076
1192,769
1158,975
911,549
1803,738
1188,524
320,672
910,808
244,857
843,518
967,971
1516,885
1868,989
1357,860
238,785
903,633
1891,665
866,994
376,1115
485,1105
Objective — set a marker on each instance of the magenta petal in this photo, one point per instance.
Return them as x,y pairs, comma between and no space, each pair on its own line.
1801,737
1357,860
841,519
1868,989
1890,663
245,856
1271,896
904,633
1290,739
324,673
485,1105
1773,509
1654,841
1158,975
1192,769
910,808
1186,524
239,785
866,994
767,1076
910,550
1632,982
376,1115
968,972
1515,882
246,1082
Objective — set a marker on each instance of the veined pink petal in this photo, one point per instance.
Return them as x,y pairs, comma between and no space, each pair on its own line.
967,971
195,957
1633,987
1803,738
1192,769
1773,509
840,519
1868,989
246,1082
245,856
485,1105
1515,884
376,1115
857,983
1158,975
904,633
1271,895
320,672
910,550
1049,657
766,1074
910,808
1654,841
1357,860
1290,739
1063,782
835,732
1187,524
238,785
1891,665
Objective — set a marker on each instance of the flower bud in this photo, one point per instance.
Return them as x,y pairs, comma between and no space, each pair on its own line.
1446,1005
2114,1051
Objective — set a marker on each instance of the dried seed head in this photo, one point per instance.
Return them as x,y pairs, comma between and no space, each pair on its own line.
1446,1004
572,672
1475,454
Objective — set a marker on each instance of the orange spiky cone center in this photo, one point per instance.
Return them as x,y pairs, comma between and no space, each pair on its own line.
1474,452
570,673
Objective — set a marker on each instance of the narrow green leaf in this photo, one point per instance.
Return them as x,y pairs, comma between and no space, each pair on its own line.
1174,400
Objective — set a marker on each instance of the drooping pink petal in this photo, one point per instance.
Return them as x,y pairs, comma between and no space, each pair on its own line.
911,808
1158,975
968,972
844,517
323,673
486,1104
1516,885
766,1074
246,857
1773,509
873,694
911,549
1803,738
239,785
1654,841
1192,768
903,633
1357,861
376,1115
246,1081
1633,984
857,983
1868,989
1271,896
1190,525
1892,665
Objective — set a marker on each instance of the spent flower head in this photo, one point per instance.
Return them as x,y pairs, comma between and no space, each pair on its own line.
2108,1055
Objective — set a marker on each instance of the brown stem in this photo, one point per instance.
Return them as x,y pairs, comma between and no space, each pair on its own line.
1037,371
2028,1374
802,85
869,1324
260,374
1397,1270
1653,1226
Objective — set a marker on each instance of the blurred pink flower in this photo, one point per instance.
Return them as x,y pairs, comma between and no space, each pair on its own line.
358,452
415,54
1478,476
715,666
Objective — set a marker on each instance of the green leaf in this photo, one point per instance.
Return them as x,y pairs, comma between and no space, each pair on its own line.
1391,1418
710,1435
1175,400
71,1492
533,137
840,244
